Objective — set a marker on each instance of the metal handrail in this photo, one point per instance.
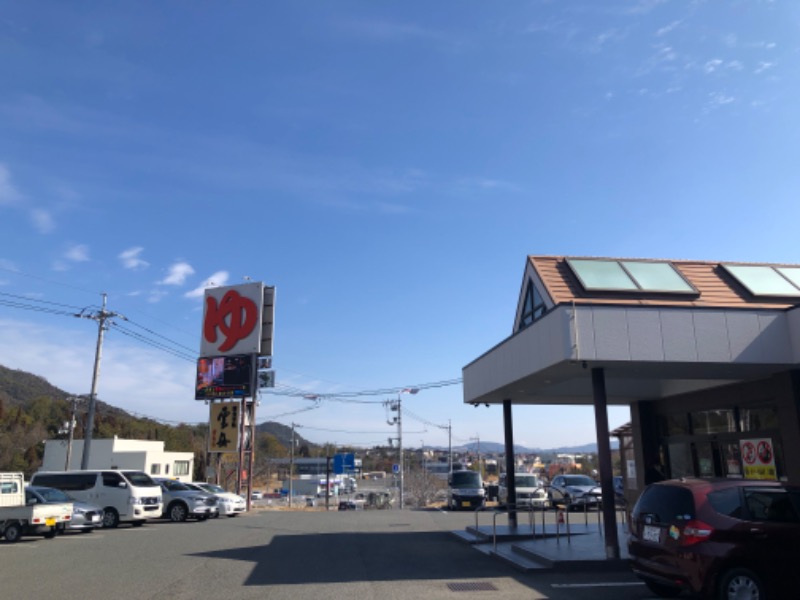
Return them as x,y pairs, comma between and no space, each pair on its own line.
518,508
529,507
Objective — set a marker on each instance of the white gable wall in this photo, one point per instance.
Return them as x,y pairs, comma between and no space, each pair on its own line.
117,453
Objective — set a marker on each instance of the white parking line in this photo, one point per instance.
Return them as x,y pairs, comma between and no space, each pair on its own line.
598,584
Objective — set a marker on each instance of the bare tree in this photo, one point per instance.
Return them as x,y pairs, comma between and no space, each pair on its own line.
422,488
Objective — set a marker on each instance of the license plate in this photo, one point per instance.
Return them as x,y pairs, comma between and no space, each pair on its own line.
465,504
651,534
50,522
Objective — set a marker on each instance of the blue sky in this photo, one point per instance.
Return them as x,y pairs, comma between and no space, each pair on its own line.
387,166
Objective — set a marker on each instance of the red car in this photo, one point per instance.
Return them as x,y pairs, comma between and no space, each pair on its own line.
721,539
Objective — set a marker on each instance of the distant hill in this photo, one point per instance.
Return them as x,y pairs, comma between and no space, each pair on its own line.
283,433
21,389
496,448
32,410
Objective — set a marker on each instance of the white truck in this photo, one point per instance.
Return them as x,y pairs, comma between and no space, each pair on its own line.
17,518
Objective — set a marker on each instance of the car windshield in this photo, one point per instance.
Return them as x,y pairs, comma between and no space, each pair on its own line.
466,479
581,480
526,481
139,479
173,485
214,489
53,495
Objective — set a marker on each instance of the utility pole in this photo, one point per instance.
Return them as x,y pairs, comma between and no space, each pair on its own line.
291,466
398,406
101,317
71,430
478,439
450,446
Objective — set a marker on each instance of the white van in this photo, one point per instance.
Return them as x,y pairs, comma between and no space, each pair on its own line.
126,496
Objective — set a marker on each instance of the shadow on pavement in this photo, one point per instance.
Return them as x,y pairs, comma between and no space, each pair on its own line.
349,557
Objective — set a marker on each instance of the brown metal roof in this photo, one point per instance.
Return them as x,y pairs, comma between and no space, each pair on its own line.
716,288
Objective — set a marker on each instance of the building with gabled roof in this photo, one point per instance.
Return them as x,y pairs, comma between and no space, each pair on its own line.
706,355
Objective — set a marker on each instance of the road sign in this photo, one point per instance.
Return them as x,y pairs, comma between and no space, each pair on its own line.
344,463
395,468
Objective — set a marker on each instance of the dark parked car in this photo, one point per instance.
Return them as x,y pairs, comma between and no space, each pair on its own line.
466,490
724,539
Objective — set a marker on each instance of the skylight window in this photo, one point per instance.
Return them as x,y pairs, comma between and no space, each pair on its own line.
629,276
763,280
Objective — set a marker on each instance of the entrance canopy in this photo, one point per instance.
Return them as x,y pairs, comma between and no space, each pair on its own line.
714,326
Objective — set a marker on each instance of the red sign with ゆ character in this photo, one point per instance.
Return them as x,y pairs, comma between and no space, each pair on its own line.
232,320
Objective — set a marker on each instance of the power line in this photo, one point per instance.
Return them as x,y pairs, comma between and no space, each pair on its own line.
154,344
183,352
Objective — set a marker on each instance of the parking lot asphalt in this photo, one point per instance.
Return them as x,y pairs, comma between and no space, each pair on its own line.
297,555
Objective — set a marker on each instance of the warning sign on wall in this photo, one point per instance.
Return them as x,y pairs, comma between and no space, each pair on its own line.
758,459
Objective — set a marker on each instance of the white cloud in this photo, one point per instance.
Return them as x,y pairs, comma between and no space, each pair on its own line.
667,28
220,278
8,193
155,296
643,6
42,220
735,65
178,273
130,258
718,100
77,253
712,65
8,265
763,66
125,366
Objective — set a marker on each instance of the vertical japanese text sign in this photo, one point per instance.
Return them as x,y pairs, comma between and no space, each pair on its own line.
232,320
223,427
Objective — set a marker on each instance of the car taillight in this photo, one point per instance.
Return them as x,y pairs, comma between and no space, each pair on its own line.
695,532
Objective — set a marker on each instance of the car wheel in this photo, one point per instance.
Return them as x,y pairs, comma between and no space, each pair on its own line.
663,591
177,513
137,523
740,583
110,518
12,533
89,530
51,533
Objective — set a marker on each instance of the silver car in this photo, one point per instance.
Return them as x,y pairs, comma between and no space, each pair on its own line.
574,491
85,517
182,502
530,490
230,504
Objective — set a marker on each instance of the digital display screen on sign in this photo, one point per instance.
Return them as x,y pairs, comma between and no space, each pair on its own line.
224,377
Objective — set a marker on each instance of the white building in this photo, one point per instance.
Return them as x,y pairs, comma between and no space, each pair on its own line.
142,455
